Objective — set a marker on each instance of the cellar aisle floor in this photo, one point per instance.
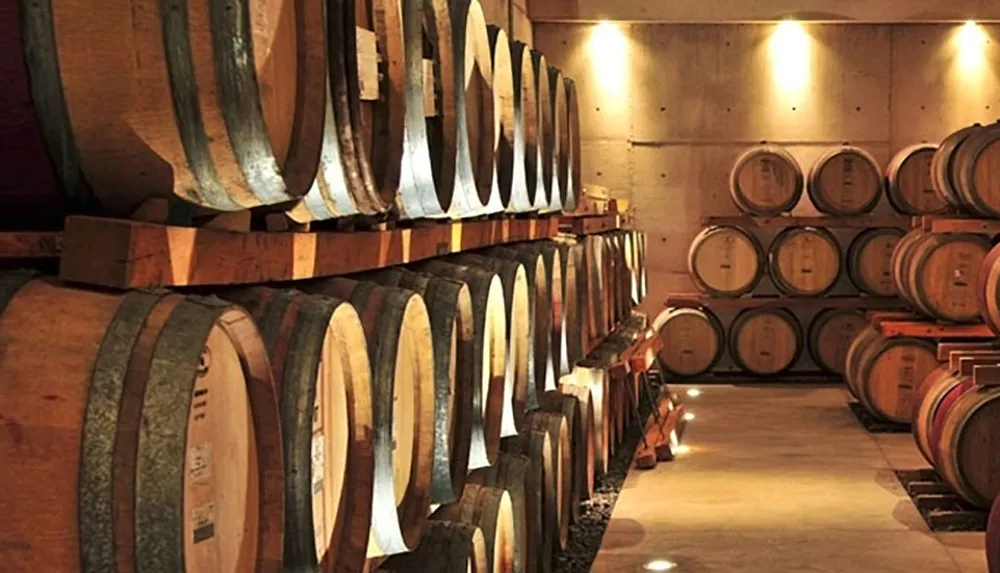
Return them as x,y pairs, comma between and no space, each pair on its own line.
780,480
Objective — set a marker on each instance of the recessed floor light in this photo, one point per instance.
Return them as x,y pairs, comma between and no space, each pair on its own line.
659,565
694,392
689,416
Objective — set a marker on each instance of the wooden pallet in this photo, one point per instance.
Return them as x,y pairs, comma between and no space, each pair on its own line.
133,254
590,225
924,328
785,221
940,506
954,224
696,300
874,425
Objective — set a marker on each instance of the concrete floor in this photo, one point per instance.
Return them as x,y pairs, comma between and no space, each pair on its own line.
780,479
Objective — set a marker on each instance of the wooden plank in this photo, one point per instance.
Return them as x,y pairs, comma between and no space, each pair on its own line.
590,225
131,254
30,244
368,75
917,329
953,225
784,221
986,375
946,349
430,95
696,300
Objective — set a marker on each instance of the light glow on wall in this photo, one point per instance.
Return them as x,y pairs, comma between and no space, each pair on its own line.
970,43
790,51
608,49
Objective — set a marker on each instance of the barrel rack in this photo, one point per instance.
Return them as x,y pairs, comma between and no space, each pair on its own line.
916,326
955,224
785,221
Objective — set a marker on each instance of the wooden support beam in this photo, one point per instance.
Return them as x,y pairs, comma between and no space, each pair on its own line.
30,244
590,225
923,329
697,300
784,221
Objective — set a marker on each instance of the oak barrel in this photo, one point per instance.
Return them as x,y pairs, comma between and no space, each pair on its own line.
765,181
594,378
398,332
140,429
927,399
974,168
909,184
578,418
939,274
845,181
446,547
560,141
593,278
726,261
526,130
489,509
547,195
540,487
489,349
319,357
220,105
869,261
693,341
854,352
993,539
943,164
517,302
561,452
574,312
887,372
831,334
988,289
968,446
504,117
584,454
765,340
449,304
574,150
805,261
552,258
515,474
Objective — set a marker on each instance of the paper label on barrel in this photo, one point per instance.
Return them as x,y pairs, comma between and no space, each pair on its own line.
200,463
203,522
318,462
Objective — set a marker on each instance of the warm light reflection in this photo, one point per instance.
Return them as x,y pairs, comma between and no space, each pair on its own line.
689,416
790,56
971,42
682,450
693,393
674,440
659,565
609,52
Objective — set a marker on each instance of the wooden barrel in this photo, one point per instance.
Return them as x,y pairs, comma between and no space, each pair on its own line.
585,454
571,257
851,360
693,341
943,168
968,445
869,261
726,261
988,289
135,424
449,304
594,378
939,274
526,130
899,253
993,539
974,166
489,509
504,117
555,425
927,399
198,106
581,444
552,257
540,489
398,331
765,341
887,372
831,334
446,547
319,357
541,373
544,198
805,261
514,473
845,181
560,141
517,302
766,180
594,255
574,150
909,185
489,350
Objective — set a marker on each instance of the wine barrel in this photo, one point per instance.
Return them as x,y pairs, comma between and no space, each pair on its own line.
134,424
974,167
593,377
766,180
446,547
845,181
192,104
514,473
541,373
939,274
489,509
927,399
869,261
581,444
765,341
526,130
900,254
571,257
854,352
552,258
594,256
830,337
909,183
968,445
397,329
540,489
943,165
726,261
693,341
575,176
518,369
449,303
560,141
319,357
504,117
585,454
988,289
887,372
489,350
805,261
993,539
547,197
555,425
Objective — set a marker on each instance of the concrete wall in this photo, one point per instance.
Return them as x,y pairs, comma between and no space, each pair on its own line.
511,15
666,109
687,11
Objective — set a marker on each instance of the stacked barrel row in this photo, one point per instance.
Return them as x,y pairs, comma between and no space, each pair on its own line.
844,181
319,109
314,427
